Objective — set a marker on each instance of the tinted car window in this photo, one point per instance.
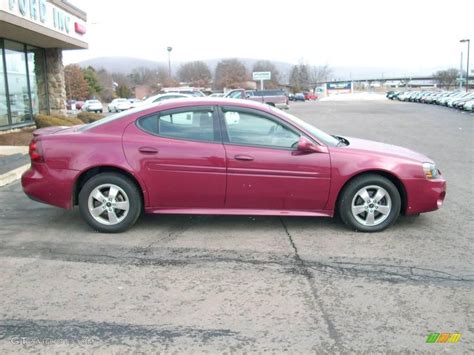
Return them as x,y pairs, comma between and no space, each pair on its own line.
190,125
250,129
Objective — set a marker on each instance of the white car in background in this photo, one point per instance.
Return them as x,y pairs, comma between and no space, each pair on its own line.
161,97
118,105
92,106
469,105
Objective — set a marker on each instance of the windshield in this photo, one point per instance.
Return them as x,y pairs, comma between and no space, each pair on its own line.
316,132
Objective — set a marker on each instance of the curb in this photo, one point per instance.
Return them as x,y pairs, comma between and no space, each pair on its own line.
13,149
13,175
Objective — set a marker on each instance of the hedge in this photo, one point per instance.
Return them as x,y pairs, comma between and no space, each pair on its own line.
42,121
88,117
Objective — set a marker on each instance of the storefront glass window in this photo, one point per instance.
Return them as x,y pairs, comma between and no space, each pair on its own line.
37,73
3,94
19,96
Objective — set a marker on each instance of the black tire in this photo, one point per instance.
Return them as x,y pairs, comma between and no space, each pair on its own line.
351,190
131,191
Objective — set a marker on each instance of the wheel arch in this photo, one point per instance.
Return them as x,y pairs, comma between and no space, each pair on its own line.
89,173
390,176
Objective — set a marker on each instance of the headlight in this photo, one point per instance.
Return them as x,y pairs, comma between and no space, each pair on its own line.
431,171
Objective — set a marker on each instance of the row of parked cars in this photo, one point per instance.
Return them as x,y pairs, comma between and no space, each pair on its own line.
278,98
461,100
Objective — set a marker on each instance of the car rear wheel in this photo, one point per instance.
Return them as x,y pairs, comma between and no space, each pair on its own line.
110,203
370,203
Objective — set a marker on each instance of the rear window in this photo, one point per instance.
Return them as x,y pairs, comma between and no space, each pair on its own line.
195,125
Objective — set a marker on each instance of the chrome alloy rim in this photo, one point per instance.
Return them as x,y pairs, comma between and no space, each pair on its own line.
108,204
371,205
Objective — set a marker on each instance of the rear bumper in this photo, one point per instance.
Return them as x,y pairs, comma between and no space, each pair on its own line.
51,186
425,195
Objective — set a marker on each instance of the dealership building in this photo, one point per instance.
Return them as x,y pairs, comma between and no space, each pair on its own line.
33,34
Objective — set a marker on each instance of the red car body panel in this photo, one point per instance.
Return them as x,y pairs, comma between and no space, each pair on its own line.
206,177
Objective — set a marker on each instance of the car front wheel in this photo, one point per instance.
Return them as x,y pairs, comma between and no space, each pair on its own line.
110,203
370,203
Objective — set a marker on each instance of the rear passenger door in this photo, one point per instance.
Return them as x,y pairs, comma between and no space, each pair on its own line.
180,156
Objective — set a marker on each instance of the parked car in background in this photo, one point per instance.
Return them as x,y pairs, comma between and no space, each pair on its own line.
74,105
185,90
309,96
299,97
92,106
118,105
468,105
229,157
217,94
457,99
133,101
276,98
161,97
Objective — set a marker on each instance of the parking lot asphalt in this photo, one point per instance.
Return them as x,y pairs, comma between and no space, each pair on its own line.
221,284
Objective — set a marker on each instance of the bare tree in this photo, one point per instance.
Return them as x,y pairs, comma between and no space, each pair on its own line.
77,87
446,78
230,73
195,73
266,65
107,83
320,74
300,78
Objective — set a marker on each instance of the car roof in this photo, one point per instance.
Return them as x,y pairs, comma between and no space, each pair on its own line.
205,101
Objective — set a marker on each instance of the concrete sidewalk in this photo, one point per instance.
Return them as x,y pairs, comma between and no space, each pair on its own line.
14,161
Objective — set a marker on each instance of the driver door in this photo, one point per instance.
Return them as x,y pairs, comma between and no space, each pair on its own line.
264,169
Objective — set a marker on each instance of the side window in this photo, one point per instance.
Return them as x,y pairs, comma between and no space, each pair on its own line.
190,125
235,95
250,129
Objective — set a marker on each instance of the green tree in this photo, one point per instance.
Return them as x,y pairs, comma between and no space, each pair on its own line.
92,80
123,91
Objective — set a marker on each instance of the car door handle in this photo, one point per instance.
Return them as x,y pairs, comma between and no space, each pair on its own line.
148,150
243,157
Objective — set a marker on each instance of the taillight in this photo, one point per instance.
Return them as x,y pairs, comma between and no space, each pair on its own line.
35,151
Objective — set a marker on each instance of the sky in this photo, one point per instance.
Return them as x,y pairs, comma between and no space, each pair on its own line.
412,35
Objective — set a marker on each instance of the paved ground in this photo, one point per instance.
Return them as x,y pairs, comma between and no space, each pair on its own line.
217,284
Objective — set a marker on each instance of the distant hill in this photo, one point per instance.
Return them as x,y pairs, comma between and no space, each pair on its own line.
126,64
119,64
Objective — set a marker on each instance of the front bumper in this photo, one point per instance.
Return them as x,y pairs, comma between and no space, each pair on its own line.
51,186
425,195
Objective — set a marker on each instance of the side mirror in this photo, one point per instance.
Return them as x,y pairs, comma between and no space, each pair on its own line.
306,146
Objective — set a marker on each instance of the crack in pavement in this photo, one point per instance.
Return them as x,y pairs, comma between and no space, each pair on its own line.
162,256
304,270
172,234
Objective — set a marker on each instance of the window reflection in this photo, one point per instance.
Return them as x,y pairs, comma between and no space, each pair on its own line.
19,97
3,94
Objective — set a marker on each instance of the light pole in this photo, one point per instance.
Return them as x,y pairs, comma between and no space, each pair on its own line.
467,76
169,49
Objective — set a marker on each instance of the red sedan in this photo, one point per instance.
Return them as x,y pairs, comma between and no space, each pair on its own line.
221,156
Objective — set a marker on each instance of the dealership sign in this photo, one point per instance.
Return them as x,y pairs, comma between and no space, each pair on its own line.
262,75
46,14
339,88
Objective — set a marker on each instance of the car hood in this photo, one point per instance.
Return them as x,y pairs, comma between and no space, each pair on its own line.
372,147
